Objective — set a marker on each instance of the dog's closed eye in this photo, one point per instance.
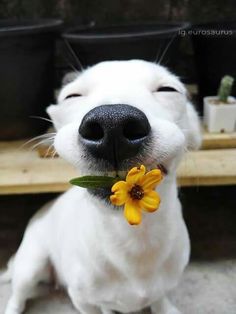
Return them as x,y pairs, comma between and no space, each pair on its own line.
72,96
166,89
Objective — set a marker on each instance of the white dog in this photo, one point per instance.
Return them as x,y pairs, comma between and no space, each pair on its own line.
113,116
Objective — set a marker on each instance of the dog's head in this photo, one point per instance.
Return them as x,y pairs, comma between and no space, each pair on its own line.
119,114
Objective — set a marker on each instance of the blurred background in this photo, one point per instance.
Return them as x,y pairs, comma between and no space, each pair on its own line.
106,12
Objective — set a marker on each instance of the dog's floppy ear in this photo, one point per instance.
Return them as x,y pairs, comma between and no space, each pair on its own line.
69,77
193,128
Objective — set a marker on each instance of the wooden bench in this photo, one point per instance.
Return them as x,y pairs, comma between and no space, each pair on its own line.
24,171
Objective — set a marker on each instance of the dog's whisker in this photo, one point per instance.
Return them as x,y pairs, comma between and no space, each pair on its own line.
73,54
44,141
71,66
41,118
48,150
157,54
166,49
46,135
54,153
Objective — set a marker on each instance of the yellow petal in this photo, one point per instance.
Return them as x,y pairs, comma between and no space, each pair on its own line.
132,212
151,179
119,198
119,186
150,202
120,193
135,174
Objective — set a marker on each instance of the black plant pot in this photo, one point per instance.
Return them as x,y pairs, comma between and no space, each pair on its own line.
26,75
215,50
150,42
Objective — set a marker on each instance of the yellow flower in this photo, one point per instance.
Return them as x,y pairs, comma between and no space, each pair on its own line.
137,193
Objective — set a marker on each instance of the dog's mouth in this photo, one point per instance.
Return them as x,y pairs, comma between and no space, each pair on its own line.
163,169
122,172
104,193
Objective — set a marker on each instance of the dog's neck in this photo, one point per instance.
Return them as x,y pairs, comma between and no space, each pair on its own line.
137,242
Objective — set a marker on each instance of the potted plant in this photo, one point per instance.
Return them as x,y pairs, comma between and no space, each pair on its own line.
26,75
214,47
220,110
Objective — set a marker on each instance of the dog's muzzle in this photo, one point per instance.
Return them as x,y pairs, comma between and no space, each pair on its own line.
114,132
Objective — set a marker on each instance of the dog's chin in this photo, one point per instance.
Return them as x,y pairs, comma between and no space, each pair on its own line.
100,167
102,193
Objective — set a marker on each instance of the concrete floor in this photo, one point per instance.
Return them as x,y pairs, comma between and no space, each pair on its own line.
206,288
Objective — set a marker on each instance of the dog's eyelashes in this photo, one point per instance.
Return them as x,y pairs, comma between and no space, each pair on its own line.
73,95
166,89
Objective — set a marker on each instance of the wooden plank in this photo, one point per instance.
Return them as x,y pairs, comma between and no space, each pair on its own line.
23,171
208,167
218,140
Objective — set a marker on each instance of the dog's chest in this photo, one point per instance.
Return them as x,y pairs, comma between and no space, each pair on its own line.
117,291
120,267
124,295
126,284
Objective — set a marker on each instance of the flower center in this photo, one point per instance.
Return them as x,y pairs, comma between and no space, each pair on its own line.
136,192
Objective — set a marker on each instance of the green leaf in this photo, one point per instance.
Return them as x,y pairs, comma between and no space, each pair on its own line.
93,182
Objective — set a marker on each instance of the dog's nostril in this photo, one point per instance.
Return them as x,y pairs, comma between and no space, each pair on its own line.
134,130
92,131
114,132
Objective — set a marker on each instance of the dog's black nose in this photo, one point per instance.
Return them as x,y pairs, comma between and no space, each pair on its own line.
114,132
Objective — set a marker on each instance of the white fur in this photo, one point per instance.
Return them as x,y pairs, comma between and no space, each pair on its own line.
104,263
